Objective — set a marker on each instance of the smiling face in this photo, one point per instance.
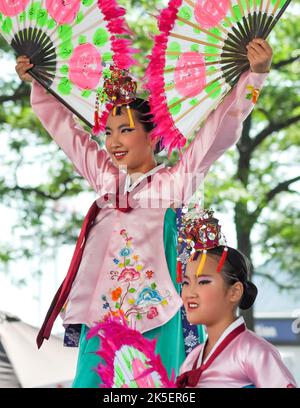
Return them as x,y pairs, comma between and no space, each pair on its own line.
207,299
129,147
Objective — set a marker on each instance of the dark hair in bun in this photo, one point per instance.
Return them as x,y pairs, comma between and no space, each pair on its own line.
237,268
143,112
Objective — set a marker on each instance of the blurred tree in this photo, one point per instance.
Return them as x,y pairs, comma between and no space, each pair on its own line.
257,180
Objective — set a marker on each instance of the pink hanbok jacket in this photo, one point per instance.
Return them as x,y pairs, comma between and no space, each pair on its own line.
123,267
239,359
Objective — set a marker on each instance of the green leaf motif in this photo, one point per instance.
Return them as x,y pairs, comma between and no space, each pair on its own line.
193,101
212,39
82,39
153,286
87,3
132,290
33,11
51,23
64,86
100,37
65,50
214,90
175,109
22,17
64,69
65,32
79,17
7,25
186,13
42,17
174,46
86,93
107,57
195,47
117,305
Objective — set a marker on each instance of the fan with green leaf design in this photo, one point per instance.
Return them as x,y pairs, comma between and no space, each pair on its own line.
199,56
72,43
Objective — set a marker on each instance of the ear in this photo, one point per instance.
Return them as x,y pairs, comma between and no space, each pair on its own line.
236,292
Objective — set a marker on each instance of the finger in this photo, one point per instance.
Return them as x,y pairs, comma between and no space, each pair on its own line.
264,44
22,70
22,58
252,57
23,66
254,49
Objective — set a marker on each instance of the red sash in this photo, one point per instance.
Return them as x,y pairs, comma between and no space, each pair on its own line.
64,290
191,378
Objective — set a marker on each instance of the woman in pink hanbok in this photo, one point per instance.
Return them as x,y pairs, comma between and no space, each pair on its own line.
215,285
124,257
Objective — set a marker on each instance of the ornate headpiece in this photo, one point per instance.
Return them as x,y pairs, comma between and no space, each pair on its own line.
119,89
198,231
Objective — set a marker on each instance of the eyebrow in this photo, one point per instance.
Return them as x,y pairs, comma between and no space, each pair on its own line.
205,276
121,126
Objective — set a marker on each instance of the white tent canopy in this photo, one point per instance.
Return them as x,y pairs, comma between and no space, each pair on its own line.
23,365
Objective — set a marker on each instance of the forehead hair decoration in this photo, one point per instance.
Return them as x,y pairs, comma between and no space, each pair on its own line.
119,89
198,231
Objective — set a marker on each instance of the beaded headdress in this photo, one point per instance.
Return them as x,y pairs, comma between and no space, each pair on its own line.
119,90
198,231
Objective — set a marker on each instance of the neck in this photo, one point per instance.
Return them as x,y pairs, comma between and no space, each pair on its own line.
215,331
136,172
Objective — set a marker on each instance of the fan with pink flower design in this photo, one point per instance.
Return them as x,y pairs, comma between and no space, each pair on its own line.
198,57
72,44
130,360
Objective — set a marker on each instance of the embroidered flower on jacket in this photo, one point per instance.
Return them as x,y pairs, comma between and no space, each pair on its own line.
125,252
128,275
149,295
115,294
149,274
134,290
152,312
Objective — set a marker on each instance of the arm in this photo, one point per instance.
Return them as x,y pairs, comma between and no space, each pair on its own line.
90,161
221,130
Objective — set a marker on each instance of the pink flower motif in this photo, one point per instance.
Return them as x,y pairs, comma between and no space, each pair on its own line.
129,274
123,231
63,11
152,313
190,74
85,66
209,13
13,7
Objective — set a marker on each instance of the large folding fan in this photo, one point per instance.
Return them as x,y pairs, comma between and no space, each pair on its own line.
199,56
71,43
129,360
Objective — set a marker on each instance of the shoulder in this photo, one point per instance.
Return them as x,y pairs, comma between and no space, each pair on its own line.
254,345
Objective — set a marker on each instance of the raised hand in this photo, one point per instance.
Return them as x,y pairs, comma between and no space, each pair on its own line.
23,65
259,55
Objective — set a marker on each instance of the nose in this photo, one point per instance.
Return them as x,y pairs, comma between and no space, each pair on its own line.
114,140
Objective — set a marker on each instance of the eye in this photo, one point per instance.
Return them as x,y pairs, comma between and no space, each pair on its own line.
107,133
184,283
125,130
204,282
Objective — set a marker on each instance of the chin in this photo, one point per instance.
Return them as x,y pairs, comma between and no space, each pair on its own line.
194,320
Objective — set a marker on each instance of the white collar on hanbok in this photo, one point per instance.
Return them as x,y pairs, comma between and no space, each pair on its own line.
238,322
128,187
